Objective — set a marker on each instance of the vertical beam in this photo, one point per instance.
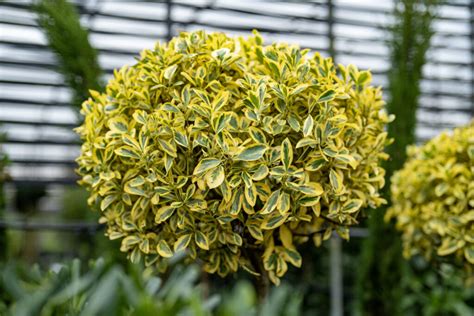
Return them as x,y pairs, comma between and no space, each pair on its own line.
336,271
169,20
337,295
471,5
330,21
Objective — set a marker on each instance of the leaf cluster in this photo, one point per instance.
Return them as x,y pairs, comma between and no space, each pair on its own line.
233,151
433,197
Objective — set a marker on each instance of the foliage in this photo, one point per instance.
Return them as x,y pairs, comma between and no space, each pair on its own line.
69,40
234,151
430,292
433,197
108,289
102,290
382,266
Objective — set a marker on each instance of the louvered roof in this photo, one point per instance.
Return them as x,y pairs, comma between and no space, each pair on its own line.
34,102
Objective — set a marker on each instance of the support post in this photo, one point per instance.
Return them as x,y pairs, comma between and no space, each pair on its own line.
169,20
336,269
337,296
471,21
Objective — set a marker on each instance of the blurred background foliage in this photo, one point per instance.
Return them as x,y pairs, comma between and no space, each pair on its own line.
377,281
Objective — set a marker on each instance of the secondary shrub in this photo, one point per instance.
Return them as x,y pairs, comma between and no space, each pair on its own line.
433,197
232,150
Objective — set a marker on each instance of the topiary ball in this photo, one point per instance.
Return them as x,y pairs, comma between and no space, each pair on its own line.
433,197
234,151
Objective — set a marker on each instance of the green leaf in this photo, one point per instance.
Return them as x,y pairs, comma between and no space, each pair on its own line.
306,141
221,100
181,139
169,72
315,164
201,240
274,221
131,240
470,152
256,232
283,204
448,246
140,116
134,190
293,257
308,126
293,122
215,177
163,213
257,135
163,249
469,254
182,242
205,165
347,159
286,153
286,236
237,202
309,200
336,180
252,153
251,194
167,147
109,199
352,206
128,152
329,152
118,125
260,173
327,96
310,188
271,203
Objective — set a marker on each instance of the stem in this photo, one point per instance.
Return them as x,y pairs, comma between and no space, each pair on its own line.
262,283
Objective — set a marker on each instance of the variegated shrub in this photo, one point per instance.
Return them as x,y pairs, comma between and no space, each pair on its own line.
234,151
433,197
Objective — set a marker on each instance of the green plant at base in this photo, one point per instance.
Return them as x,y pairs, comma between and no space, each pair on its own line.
378,287
433,198
447,294
102,288
78,60
234,151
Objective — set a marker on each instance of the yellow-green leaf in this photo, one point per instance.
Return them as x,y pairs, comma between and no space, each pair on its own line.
170,71
286,236
128,152
469,254
215,177
308,126
182,242
201,240
327,95
293,256
448,247
271,203
252,153
283,204
163,249
336,180
286,153
257,135
352,206
163,213
274,221
205,165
